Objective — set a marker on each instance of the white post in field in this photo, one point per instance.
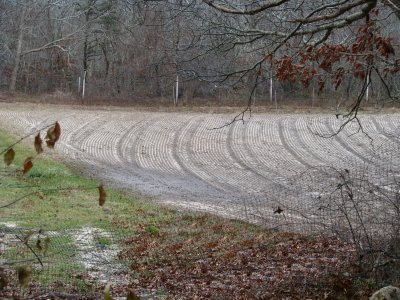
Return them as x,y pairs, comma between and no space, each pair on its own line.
271,90
83,85
79,85
177,90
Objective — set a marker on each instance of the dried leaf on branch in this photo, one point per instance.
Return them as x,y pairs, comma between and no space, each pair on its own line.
102,195
38,144
9,157
53,135
27,165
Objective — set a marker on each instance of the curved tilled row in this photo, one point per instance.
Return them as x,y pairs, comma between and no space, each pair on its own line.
250,165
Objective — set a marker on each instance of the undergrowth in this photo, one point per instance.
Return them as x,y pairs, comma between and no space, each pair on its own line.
170,254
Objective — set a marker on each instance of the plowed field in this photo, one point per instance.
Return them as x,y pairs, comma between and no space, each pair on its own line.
177,159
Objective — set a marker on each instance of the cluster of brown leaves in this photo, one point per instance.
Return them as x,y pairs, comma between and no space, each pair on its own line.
369,46
223,261
52,136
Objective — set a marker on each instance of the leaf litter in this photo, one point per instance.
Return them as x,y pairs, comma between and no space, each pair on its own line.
220,260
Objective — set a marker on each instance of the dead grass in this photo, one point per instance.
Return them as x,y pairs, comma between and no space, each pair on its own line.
204,257
187,256
300,105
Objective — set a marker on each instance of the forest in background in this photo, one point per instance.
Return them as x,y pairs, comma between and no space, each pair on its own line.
139,50
219,51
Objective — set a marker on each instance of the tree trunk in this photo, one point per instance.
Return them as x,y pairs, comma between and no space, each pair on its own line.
50,37
158,86
14,73
85,52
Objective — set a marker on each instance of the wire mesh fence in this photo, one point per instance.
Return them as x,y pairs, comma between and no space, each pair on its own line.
356,197
321,194
77,261
357,201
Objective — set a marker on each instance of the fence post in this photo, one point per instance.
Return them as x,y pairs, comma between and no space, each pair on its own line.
177,90
83,84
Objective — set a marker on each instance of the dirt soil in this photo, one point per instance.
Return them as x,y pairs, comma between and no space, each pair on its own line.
178,159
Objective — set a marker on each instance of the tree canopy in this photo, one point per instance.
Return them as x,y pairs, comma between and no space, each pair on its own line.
135,49
318,41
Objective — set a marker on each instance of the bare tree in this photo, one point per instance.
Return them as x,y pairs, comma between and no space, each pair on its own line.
307,42
135,48
18,50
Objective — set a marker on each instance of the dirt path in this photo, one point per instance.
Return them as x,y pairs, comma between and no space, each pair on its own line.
175,158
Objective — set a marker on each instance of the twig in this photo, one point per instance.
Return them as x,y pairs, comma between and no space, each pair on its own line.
17,200
30,248
241,115
24,137
352,115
